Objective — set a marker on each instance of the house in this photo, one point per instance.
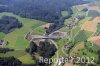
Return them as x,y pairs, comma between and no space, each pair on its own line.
1,43
67,47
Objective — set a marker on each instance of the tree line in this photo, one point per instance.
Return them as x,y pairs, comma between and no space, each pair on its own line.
45,49
8,24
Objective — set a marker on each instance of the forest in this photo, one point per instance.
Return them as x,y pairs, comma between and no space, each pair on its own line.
8,24
45,50
44,10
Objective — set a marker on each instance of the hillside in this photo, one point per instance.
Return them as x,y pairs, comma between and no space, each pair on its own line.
64,30
46,10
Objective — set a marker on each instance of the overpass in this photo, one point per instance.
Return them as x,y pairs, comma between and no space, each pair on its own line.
31,37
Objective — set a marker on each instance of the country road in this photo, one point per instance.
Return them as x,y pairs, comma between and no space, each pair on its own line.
30,37
57,53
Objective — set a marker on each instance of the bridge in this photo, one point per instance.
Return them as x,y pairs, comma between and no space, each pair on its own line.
31,37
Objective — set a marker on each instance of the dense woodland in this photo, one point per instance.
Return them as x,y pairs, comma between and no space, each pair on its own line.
45,10
45,50
9,61
8,24
5,50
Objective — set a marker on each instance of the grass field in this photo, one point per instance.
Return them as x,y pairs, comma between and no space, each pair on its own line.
16,54
2,35
74,31
80,36
88,34
77,11
27,59
91,46
39,30
63,29
98,28
84,20
61,44
93,13
88,54
68,21
16,38
81,51
64,13
76,49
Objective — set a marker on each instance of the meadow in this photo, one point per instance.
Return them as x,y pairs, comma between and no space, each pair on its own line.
16,38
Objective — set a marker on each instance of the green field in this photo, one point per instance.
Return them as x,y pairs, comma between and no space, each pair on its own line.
2,35
88,33
88,54
64,13
77,11
16,38
61,44
67,21
74,31
98,28
84,20
27,59
74,50
93,13
39,30
64,29
80,36
16,54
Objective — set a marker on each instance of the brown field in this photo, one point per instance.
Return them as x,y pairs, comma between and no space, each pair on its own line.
96,8
91,25
75,50
67,64
83,5
95,40
46,25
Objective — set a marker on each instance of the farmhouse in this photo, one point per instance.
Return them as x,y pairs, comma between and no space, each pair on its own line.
67,47
1,43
